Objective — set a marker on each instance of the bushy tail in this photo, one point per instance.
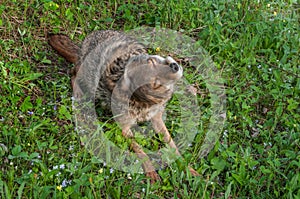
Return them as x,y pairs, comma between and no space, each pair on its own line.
65,47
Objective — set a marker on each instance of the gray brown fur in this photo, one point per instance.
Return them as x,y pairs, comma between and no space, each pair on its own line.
125,74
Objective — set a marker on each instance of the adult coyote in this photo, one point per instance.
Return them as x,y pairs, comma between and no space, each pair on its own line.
145,82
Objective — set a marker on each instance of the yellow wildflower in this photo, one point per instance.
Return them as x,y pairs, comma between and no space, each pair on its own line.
54,4
59,188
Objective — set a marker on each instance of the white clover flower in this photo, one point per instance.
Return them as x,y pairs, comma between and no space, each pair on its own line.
129,176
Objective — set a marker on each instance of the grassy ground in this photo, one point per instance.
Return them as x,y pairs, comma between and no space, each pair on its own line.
254,43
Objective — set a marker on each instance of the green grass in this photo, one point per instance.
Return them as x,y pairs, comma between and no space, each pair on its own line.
255,45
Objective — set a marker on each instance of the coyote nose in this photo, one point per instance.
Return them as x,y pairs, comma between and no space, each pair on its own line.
174,67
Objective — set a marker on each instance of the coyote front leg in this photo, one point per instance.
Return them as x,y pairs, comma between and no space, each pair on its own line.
142,156
160,127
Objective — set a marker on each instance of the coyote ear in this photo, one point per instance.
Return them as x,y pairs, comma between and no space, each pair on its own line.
157,83
126,82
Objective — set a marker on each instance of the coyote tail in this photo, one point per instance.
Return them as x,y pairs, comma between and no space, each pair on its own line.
65,47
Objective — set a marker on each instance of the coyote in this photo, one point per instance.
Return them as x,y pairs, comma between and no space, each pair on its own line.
128,76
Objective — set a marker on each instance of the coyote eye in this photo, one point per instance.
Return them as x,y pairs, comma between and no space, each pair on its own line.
152,61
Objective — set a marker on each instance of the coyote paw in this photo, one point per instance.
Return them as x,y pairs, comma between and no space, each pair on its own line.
193,172
154,176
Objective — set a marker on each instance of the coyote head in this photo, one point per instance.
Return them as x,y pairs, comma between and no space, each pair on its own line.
151,78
